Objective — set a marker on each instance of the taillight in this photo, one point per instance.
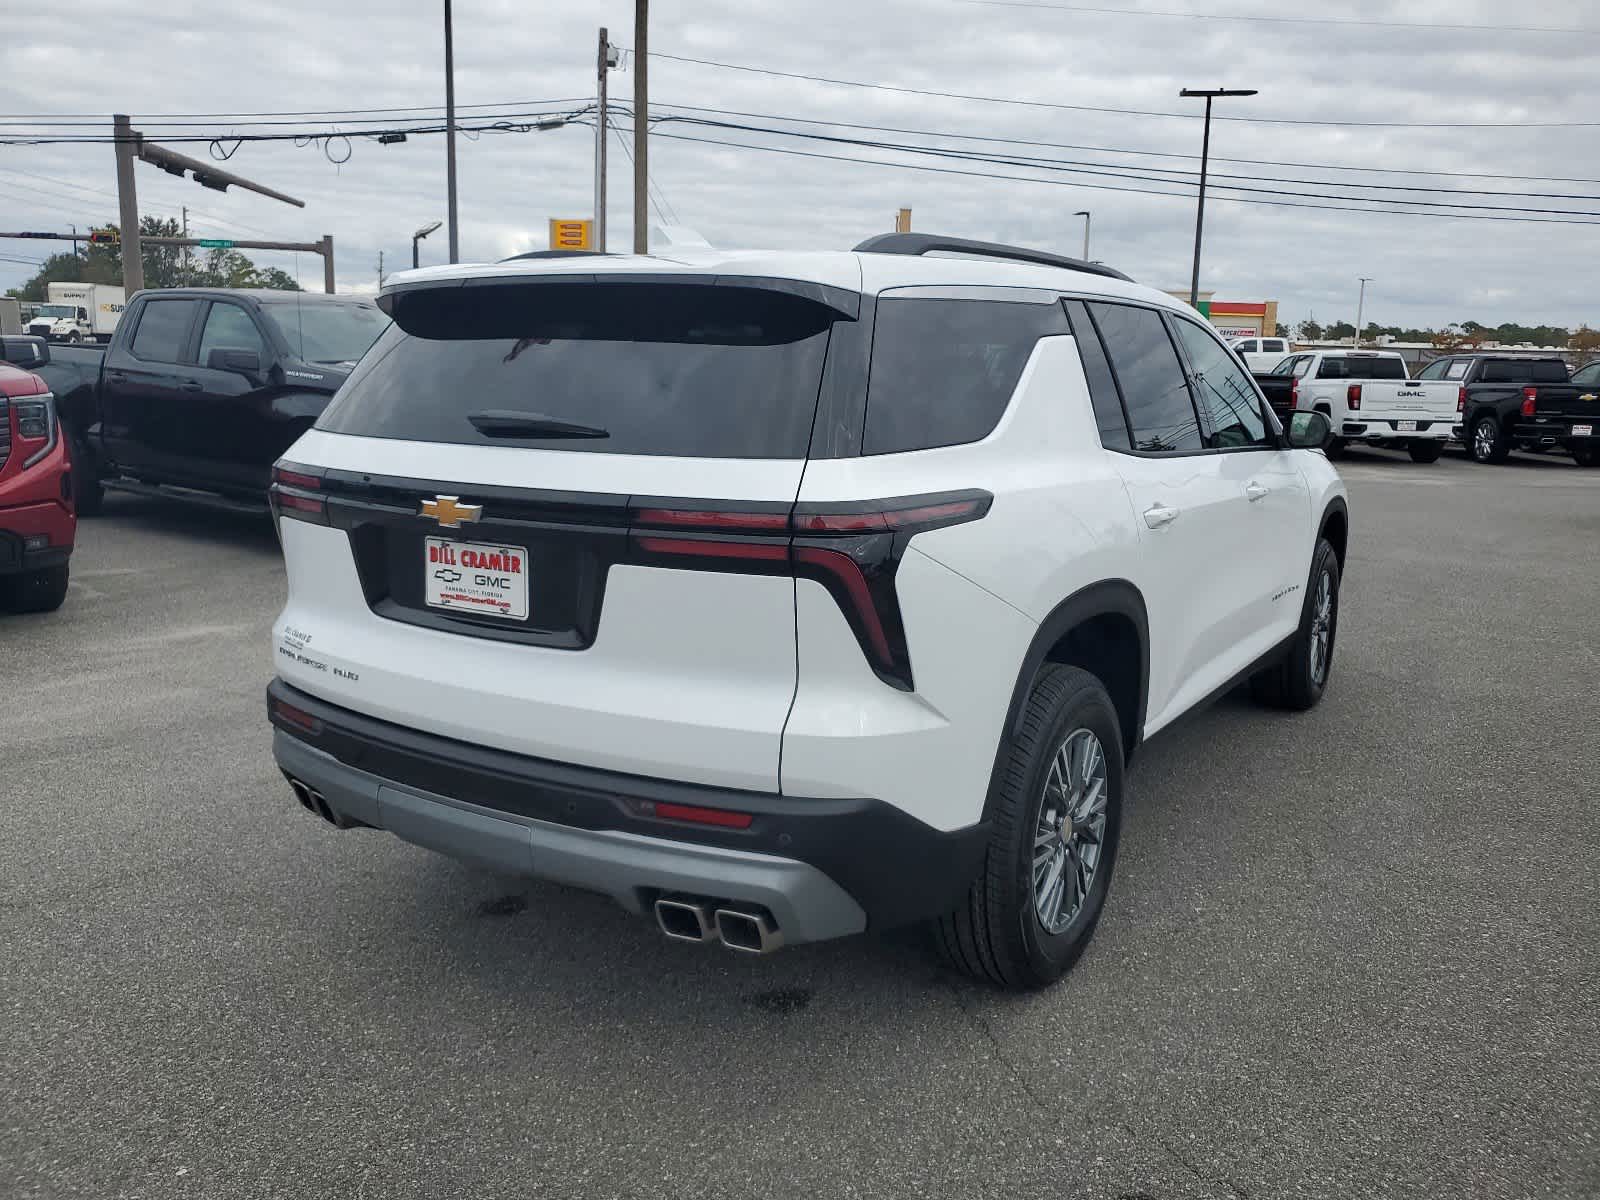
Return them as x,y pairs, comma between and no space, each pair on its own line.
1461,398
852,549
1530,397
288,714
1352,396
293,493
696,815
1294,392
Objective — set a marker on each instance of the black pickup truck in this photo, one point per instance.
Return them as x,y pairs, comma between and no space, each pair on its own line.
200,389
1521,403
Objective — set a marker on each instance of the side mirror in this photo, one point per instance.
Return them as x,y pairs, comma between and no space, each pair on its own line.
1309,430
24,351
245,362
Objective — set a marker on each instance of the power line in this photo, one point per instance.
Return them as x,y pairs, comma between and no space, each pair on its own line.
1432,26
1127,112
652,190
1120,170
1259,162
425,111
1104,187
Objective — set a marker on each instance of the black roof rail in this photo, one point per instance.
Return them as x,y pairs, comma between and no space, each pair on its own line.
926,243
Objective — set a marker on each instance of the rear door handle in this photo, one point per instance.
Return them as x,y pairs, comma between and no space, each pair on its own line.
1159,516
117,376
192,385
1255,491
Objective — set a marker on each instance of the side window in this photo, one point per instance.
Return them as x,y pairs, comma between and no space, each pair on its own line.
163,330
1248,347
1587,376
943,370
1301,366
1434,370
83,314
1278,345
1108,414
229,327
1225,391
1154,387
1457,368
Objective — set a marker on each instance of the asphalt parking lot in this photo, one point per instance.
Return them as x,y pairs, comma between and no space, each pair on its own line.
1350,953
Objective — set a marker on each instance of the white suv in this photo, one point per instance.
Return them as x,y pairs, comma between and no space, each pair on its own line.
790,595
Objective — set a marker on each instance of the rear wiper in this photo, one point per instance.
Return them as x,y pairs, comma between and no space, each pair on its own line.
502,423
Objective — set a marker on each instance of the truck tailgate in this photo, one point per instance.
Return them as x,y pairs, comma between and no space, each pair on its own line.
1565,400
1391,399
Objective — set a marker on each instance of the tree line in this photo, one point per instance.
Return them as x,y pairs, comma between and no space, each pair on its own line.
164,266
1458,335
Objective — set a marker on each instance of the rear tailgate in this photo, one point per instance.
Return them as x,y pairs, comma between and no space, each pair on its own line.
501,523
1565,400
1408,400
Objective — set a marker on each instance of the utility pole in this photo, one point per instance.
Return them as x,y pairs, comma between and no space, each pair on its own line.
450,136
641,126
1209,94
188,270
77,265
1085,215
380,268
601,124
128,204
1361,304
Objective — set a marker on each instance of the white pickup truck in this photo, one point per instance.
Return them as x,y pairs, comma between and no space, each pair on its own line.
1369,398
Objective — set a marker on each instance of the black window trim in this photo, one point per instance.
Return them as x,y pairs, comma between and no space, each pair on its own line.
186,346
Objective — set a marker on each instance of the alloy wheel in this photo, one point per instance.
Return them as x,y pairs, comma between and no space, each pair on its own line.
1070,833
1321,628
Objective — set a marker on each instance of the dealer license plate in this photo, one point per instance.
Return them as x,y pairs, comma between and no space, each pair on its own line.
476,577
1583,431
1405,426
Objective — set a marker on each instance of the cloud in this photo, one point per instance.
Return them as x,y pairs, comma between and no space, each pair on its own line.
158,58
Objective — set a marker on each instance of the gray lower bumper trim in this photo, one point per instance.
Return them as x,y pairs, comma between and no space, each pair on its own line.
808,906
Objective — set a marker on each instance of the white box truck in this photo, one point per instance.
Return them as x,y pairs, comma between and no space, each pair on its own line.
78,312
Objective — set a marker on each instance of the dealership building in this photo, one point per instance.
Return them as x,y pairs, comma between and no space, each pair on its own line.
1235,318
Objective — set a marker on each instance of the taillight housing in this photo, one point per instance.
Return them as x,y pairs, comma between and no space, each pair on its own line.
295,492
1461,398
1352,396
1294,392
1530,398
852,549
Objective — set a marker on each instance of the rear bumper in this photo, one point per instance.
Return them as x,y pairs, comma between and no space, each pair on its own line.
1555,432
1386,429
824,868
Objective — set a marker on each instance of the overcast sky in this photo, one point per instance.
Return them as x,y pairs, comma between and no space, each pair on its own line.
158,59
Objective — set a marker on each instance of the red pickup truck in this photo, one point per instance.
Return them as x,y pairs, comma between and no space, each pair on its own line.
37,520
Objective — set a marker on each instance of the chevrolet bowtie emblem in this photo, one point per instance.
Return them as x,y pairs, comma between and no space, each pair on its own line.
1586,396
449,512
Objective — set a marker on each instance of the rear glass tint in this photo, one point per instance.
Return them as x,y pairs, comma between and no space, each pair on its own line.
163,330
1510,370
943,370
685,370
1362,368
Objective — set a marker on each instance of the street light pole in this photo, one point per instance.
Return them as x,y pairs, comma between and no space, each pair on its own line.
602,120
1361,303
641,126
1085,216
1209,94
417,237
450,135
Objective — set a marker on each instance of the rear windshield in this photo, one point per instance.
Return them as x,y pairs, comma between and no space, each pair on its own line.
1511,370
1362,368
686,370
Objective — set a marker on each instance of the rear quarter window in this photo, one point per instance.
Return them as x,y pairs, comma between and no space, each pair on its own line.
943,371
1377,367
1510,370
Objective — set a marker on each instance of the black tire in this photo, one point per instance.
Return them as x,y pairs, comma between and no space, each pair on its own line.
1294,683
74,337
996,934
35,591
1487,442
1586,456
88,493
1425,452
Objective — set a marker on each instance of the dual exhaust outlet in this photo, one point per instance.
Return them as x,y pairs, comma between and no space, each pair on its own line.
311,800
747,929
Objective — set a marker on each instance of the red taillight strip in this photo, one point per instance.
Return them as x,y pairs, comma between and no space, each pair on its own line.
299,718
710,548
847,571
1461,399
292,478
707,519
703,816
309,504
1530,398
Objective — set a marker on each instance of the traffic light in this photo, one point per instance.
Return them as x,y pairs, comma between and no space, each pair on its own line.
102,237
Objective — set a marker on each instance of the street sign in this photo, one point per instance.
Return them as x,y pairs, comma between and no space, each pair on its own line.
215,244
571,235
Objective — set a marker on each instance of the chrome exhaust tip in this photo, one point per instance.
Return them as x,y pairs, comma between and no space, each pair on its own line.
685,920
301,793
750,931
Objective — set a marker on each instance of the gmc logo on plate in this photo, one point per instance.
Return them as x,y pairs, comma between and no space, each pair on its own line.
1404,394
